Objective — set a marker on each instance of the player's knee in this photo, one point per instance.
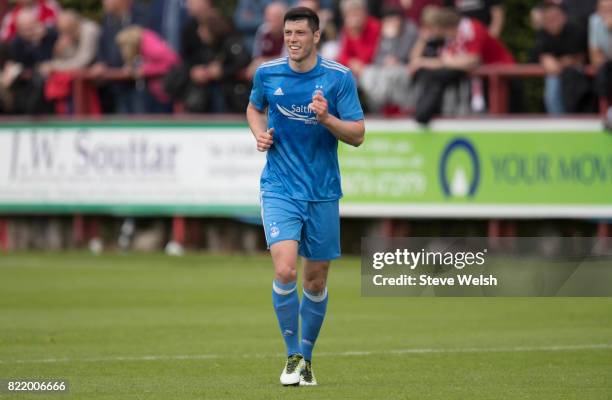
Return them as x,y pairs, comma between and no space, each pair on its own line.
285,274
316,284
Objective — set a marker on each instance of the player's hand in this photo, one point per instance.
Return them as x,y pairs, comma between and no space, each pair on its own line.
264,140
319,107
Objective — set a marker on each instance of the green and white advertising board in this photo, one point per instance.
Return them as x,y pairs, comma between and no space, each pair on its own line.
462,169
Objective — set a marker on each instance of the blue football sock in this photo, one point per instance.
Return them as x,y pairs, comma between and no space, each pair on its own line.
287,305
312,312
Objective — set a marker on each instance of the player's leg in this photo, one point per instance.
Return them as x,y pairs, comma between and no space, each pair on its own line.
282,226
314,303
320,243
284,292
312,312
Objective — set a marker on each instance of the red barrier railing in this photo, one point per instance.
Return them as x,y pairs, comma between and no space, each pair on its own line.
499,75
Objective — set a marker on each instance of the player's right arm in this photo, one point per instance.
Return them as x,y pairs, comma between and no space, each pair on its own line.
256,114
258,122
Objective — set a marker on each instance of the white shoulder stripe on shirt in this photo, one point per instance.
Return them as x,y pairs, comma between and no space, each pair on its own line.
276,61
272,65
334,63
344,71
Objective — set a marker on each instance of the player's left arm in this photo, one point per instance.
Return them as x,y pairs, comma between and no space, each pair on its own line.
350,132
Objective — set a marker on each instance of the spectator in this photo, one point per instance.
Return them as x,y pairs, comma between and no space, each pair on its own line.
32,45
4,6
489,12
360,36
76,46
124,97
209,78
148,57
413,9
118,14
197,10
600,48
248,17
386,82
45,10
269,39
600,34
578,11
75,49
328,44
431,40
562,47
167,17
320,5
468,45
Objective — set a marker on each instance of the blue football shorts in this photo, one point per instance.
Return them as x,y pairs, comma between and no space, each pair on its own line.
315,225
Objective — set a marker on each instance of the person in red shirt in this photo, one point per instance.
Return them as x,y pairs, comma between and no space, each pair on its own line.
46,10
360,35
468,45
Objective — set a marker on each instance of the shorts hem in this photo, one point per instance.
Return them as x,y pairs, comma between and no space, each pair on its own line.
334,257
276,240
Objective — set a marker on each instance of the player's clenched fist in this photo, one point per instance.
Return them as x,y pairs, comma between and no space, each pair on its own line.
319,106
264,139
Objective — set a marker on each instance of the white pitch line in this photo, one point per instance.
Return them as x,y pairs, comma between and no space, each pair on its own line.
602,346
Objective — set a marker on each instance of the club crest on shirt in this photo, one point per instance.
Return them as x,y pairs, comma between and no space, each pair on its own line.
318,90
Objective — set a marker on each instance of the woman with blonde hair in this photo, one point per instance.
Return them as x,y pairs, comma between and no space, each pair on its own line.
148,58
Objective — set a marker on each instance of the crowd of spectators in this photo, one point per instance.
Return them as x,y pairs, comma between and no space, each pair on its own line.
408,56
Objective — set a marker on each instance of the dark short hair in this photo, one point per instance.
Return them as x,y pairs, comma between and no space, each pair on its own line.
299,13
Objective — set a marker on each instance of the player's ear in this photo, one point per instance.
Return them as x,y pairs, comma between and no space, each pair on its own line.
317,36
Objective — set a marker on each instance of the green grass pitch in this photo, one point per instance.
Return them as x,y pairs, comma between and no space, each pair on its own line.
202,326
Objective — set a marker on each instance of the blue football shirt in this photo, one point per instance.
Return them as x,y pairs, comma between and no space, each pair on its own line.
303,161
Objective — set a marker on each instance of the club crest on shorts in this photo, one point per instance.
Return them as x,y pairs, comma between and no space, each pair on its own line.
274,231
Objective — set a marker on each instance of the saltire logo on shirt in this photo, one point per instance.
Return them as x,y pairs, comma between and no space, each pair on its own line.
307,119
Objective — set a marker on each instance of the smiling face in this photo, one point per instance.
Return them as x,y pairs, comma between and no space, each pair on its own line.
300,40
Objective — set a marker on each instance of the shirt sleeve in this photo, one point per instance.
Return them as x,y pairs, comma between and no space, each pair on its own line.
258,97
348,105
